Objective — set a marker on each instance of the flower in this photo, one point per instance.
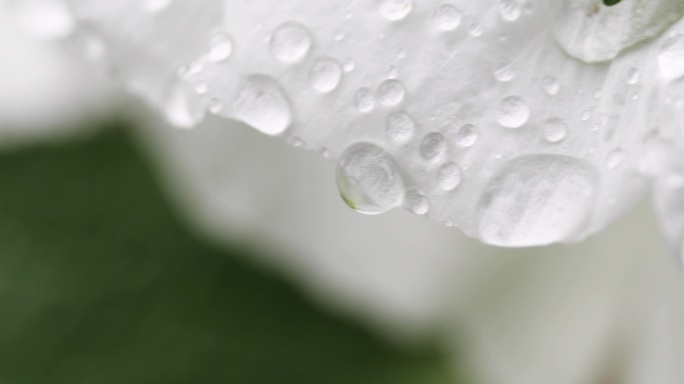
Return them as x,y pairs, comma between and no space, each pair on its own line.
520,122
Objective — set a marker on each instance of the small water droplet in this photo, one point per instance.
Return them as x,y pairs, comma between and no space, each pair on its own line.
633,76
155,6
368,179
220,47
551,86
261,103
449,176
349,65
394,9
509,10
418,203
467,136
615,158
391,92
447,18
290,42
513,112
215,106
433,147
475,30
504,72
555,130
364,100
400,126
325,74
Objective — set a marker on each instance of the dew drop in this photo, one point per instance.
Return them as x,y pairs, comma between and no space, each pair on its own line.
433,147
391,92
394,9
215,106
671,57
555,130
551,86
513,112
368,179
261,103
537,200
180,110
220,47
364,100
290,42
509,9
447,18
325,74
467,136
400,126
449,176
504,72
633,76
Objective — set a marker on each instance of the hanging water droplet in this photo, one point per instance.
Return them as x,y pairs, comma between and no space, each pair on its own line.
555,130
368,179
220,47
400,126
513,112
364,100
418,203
551,86
449,176
447,18
394,9
671,57
433,147
391,92
261,103
537,200
290,42
467,136
325,74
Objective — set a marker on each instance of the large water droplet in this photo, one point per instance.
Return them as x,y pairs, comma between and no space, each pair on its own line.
368,179
325,74
513,112
394,9
290,42
261,103
671,57
400,126
537,200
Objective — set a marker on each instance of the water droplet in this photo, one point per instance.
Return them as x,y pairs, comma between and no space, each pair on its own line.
394,9
447,18
368,179
220,47
537,200
418,203
555,130
449,176
586,115
349,65
475,30
433,147
400,126
633,76
180,109
513,112
364,100
671,57
261,103
504,72
509,9
551,86
615,158
467,136
391,92
325,74
155,6
339,36
290,42
215,106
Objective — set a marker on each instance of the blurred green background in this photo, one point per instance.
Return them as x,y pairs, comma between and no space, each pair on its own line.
101,282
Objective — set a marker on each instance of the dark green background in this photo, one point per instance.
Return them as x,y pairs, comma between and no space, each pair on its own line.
100,282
